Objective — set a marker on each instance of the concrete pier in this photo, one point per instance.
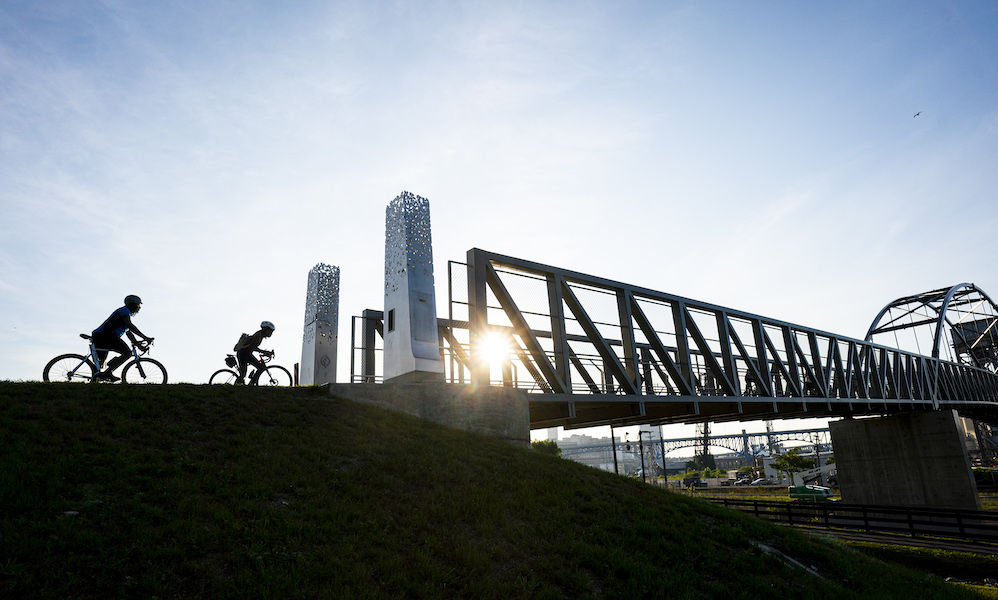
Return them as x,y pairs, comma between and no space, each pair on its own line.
912,459
502,413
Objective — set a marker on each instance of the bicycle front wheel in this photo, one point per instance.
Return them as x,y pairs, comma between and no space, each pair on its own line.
223,376
74,368
144,370
274,375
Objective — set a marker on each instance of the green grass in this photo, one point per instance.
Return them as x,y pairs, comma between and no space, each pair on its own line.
111,491
765,494
943,563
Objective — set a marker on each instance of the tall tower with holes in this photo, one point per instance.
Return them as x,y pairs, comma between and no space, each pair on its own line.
412,350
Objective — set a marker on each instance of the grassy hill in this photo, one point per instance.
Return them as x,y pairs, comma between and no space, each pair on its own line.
111,491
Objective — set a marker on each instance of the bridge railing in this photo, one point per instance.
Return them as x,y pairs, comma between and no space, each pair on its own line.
567,332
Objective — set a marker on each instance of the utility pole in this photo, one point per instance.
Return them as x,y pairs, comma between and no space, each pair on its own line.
641,447
613,442
706,439
817,458
665,471
703,431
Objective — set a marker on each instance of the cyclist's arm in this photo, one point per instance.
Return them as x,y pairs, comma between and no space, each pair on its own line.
133,330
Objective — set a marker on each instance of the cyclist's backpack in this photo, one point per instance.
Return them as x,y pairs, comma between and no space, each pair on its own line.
242,343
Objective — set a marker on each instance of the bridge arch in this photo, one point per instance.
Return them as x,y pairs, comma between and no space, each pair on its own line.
959,324
726,444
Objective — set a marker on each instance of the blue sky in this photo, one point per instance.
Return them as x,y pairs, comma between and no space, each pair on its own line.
205,155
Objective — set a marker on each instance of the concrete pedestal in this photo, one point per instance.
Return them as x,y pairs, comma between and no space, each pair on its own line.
915,459
502,413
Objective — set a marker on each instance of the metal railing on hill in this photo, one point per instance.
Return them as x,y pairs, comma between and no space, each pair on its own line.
975,525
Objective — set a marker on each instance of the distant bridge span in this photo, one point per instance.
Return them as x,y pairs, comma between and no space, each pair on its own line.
738,443
592,351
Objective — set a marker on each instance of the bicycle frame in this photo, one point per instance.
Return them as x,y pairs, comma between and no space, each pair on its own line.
264,357
93,355
100,366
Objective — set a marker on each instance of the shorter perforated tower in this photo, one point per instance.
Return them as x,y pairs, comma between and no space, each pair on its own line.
322,306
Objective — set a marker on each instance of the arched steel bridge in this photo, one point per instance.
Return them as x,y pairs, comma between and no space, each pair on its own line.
740,443
593,351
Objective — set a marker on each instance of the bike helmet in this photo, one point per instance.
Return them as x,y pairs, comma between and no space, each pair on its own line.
267,325
133,302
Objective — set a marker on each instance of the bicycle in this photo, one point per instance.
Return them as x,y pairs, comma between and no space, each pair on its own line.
76,368
270,375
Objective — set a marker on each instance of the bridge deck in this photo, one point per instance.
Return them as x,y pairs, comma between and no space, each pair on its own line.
573,411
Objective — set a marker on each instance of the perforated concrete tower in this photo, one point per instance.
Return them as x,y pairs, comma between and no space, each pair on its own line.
411,346
322,309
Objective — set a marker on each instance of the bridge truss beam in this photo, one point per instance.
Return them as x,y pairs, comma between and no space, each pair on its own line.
601,351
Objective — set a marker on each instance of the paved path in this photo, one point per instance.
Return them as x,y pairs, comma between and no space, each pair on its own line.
904,540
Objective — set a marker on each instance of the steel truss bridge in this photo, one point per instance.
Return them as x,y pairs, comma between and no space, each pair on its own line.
740,443
591,351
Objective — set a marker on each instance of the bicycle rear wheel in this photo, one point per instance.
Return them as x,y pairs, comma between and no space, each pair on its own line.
274,375
223,376
74,368
144,370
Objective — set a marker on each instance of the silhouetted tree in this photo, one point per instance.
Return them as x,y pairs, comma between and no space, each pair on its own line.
546,447
792,462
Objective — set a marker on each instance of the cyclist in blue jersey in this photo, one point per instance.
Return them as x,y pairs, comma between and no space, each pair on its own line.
107,337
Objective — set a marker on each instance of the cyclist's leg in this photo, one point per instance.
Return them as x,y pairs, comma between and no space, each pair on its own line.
101,357
113,343
246,358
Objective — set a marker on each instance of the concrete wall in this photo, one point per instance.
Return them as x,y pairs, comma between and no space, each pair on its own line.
915,459
502,413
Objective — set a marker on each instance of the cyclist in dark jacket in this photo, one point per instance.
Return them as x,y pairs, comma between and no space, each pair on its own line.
247,345
107,337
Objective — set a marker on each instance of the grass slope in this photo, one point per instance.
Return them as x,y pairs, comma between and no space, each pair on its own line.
183,491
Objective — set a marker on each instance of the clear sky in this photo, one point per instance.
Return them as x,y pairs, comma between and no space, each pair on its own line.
759,155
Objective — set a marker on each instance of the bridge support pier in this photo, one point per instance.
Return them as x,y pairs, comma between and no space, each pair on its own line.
499,412
913,459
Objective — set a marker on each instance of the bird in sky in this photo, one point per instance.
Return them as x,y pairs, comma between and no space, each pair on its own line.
916,114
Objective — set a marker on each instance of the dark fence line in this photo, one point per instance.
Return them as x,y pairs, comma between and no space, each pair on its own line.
976,525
